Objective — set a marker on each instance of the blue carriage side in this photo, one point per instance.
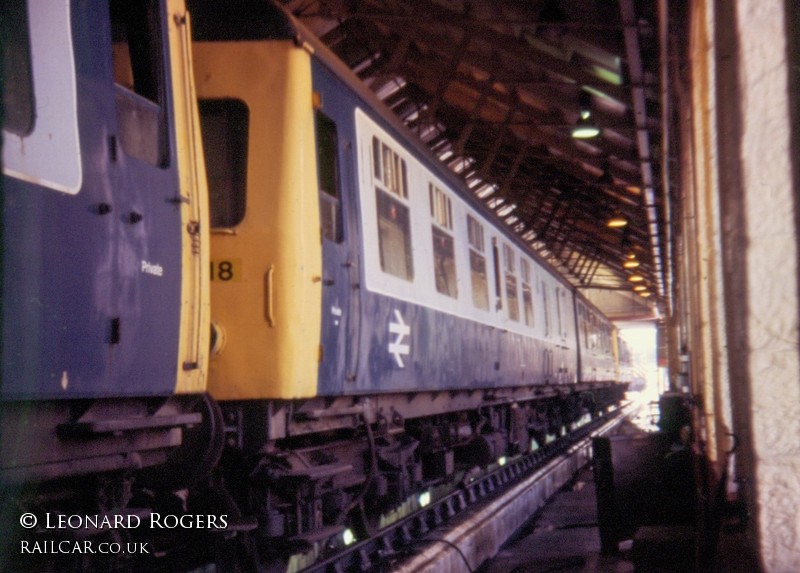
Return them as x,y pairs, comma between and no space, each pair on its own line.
378,331
92,244
445,298
103,252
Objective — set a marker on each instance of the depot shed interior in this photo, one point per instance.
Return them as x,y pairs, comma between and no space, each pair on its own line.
678,208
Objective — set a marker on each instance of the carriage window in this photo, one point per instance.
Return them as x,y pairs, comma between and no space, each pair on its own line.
38,94
394,236
18,104
444,255
477,264
546,310
559,296
558,311
394,225
376,158
527,292
584,327
330,210
512,308
138,75
225,123
389,168
498,287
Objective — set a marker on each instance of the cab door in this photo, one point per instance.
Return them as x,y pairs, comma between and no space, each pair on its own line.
148,205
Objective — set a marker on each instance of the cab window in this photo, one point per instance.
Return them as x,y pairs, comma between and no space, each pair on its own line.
18,103
224,123
139,80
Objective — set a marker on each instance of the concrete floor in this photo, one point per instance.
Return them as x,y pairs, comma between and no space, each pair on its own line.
563,538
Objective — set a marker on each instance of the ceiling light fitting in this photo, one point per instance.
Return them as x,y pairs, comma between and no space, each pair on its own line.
585,128
617,222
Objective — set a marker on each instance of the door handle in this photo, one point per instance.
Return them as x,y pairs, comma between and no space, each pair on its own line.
268,296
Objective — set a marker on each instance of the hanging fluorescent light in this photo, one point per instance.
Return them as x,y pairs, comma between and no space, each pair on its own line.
348,537
636,278
630,264
585,129
424,499
617,222
639,288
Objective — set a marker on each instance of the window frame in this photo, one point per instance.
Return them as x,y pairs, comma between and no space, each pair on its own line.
510,283
140,82
236,158
49,154
18,95
329,183
476,246
391,189
444,252
527,293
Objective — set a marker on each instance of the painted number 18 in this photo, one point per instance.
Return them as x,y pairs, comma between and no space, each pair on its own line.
227,270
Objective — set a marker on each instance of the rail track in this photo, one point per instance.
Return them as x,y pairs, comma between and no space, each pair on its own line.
462,528
453,527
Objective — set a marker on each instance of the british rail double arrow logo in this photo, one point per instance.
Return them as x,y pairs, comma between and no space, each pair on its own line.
398,348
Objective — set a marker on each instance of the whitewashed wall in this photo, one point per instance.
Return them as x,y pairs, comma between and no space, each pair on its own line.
741,275
774,367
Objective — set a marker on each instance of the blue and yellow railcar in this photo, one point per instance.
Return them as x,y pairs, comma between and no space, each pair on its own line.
358,284
105,250
233,281
345,259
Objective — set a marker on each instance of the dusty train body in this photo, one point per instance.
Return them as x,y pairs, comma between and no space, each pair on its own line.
104,291
104,275
415,287
399,303
374,330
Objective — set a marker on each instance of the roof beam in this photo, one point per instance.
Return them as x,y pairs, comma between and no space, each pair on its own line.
635,71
